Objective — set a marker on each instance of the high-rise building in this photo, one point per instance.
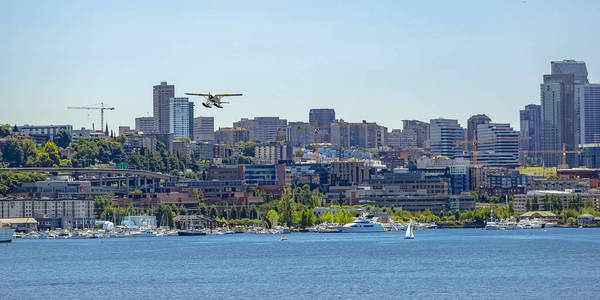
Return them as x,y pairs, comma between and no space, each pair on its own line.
498,145
181,117
231,136
560,97
162,94
444,135
298,133
472,124
145,124
531,132
264,129
204,129
420,128
323,117
364,135
590,114
402,139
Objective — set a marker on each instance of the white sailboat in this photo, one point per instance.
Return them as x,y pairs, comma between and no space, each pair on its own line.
409,232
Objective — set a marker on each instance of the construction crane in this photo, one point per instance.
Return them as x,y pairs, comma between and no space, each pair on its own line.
563,152
315,128
102,108
474,143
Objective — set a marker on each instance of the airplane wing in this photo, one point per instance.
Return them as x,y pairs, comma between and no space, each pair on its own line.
226,95
192,94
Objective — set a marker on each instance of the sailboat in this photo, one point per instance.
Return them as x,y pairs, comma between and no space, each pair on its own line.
409,232
190,230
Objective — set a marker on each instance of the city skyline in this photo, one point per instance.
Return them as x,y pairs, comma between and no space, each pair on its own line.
393,62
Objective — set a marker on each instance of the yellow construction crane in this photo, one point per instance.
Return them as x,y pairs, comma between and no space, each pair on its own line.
563,151
315,129
474,142
102,108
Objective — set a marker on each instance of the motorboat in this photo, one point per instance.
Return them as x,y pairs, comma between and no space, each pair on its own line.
145,233
361,226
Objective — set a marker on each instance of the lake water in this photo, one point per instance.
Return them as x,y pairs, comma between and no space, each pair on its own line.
441,264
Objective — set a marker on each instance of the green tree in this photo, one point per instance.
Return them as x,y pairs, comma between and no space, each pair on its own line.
534,203
202,209
164,215
528,204
13,153
5,130
10,181
271,215
285,208
589,203
307,217
213,212
63,138
511,205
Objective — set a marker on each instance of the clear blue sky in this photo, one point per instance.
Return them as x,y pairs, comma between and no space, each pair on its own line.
380,61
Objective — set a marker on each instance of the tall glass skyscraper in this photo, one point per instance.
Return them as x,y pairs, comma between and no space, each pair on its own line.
531,127
560,97
181,117
590,114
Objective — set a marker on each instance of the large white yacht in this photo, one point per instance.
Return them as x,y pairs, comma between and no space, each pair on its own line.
362,225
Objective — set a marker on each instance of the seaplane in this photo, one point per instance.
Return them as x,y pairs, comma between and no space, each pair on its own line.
213,99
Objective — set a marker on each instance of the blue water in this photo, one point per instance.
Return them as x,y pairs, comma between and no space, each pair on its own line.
445,264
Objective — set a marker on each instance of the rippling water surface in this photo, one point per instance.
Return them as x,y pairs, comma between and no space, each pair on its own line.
448,264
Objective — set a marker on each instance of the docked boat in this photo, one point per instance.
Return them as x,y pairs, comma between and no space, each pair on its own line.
6,234
362,226
507,225
409,235
145,233
491,224
190,233
327,228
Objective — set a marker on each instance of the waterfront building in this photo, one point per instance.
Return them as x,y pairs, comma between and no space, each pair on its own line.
497,145
204,129
444,135
323,117
162,95
263,129
181,117
531,132
232,136
73,213
145,124
520,200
